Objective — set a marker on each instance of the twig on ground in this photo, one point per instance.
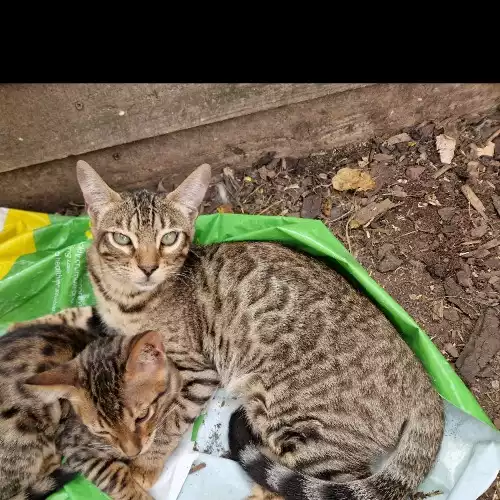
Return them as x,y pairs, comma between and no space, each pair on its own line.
269,207
441,171
343,216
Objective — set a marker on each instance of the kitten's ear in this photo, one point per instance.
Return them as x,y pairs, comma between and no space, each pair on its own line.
191,192
147,355
96,192
60,382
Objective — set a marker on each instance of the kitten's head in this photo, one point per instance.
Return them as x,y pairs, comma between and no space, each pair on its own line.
121,388
142,237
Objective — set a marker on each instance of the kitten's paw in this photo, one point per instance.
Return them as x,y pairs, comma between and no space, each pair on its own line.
74,316
146,478
14,326
132,492
259,493
143,495
20,324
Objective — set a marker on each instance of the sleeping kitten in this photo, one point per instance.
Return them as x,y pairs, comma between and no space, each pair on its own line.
330,388
29,461
120,390
127,394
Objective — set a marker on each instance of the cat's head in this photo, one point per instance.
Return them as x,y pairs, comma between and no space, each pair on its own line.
141,238
121,387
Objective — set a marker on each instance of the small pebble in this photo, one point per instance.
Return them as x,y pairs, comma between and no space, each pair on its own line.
451,314
451,350
446,213
389,263
479,232
464,279
414,173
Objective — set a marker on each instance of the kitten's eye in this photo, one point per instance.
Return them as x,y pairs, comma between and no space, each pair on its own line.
121,239
102,433
169,238
143,416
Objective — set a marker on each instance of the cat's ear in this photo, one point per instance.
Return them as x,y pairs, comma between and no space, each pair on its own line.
189,195
60,382
146,356
96,192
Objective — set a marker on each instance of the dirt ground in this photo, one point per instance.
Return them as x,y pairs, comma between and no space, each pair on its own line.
429,232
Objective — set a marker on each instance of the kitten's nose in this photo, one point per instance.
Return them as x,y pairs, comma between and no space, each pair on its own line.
131,450
148,270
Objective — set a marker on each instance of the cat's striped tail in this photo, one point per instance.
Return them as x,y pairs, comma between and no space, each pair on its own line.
46,486
400,476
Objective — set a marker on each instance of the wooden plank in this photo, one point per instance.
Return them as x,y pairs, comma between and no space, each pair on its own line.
40,123
295,130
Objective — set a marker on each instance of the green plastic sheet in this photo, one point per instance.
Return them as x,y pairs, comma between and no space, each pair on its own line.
53,277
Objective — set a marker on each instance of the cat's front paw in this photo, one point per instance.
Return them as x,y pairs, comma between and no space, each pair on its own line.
146,478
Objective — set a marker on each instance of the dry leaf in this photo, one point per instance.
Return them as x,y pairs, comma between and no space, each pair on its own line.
363,162
352,178
396,139
326,207
432,200
446,148
489,149
227,208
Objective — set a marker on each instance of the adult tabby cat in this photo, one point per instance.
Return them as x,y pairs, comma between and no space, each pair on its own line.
330,388
119,389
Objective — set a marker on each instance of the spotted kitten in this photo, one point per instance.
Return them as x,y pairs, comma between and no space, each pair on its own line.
123,390
120,389
330,388
29,462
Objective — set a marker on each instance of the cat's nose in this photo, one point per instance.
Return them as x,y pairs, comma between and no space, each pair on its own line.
148,270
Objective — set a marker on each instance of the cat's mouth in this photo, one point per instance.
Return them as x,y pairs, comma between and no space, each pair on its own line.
146,285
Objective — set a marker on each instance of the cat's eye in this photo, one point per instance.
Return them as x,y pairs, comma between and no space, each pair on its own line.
143,416
169,238
121,239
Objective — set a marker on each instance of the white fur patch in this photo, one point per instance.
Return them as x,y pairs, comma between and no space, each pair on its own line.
249,455
236,385
277,475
